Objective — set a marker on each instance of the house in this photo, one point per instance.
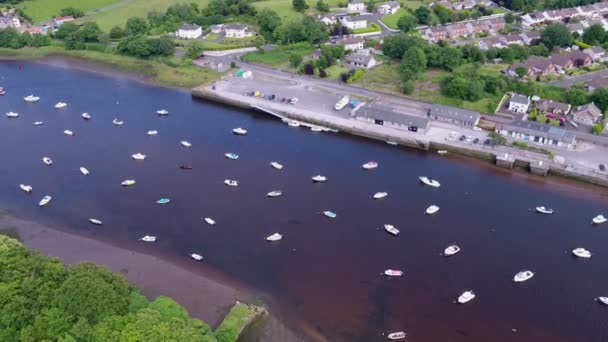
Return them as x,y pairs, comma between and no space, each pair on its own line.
597,54
579,58
5,22
381,116
354,22
587,114
61,20
216,29
238,31
462,29
362,59
576,27
390,7
561,62
453,115
539,65
356,6
352,43
189,31
538,133
530,36
34,30
211,64
328,19
553,107
597,83
519,103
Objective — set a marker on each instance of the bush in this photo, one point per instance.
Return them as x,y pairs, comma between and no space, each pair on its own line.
520,144
309,69
322,73
71,11
598,129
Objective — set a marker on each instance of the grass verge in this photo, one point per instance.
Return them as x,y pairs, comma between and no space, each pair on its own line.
239,318
390,20
278,57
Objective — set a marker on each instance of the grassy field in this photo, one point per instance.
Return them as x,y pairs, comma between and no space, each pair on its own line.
391,19
333,72
278,57
43,10
381,78
284,8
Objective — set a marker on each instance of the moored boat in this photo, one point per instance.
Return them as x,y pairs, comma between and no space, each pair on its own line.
152,132
432,209
392,143
148,238
274,193
391,229
399,335
319,179
138,156
599,219
466,297
581,253
523,275
162,112
38,123
393,273
231,182
45,200
276,165
118,122
196,257
380,195
330,214
47,161
274,237
316,129
128,182
68,132
370,165
60,105
442,152
163,201
31,98
293,123
86,116
603,300
12,115
451,250
95,221
209,221
232,156
544,210
239,131
429,181
185,167
26,188
185,143
84,171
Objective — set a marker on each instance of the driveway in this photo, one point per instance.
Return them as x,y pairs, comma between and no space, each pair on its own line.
584,78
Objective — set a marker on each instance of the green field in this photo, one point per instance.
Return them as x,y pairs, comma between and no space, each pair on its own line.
44,10
284,8
391,19
278,57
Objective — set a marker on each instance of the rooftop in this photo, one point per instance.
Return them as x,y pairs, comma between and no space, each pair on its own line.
538,129
189,27
235,27
454,113
521,99
379,113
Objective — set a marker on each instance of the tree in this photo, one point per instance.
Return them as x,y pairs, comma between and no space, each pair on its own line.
442,13
134,46
407,22
576,96
413,62
71,12
539,50
268,21
259,42
299,5
521,71
450,58
117,32
295,59
135,26
598,129
322,73
371,6
594,34
90,31
423,14
509,18
161,46
309,69
556,35
322,6
408,87
394,46
600,98
65,30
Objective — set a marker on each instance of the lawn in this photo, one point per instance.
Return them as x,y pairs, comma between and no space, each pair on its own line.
284,8
43,10
278,57
381,78
390,20
371,28
333,72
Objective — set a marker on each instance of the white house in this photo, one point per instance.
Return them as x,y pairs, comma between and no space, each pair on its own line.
356,6
390,7
519,103
238,31
189,31
354,22
352,43
328,19
215,29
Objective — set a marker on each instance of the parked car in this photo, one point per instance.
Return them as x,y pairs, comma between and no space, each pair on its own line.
294,101
282,99
487,142
476,141
602,167
462,137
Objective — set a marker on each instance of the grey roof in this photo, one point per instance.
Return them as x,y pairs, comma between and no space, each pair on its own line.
378,113
551,106
454,113
391,4
591,108
6,20
362,58
541,130
521,99
235,27
355,2
596,50
352,40
189,27
355,18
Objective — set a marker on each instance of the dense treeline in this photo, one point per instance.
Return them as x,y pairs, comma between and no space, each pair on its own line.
533,5
10,38
41,300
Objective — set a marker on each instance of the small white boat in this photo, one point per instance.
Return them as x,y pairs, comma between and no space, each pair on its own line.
95,221
581,253
209,221
275,193
163,201
380,195
232,156
451,250
12,115
68,132
599,219
466,297
544,210
442,152
392,143
239,131
319,179
45,200
391,229
432,209
429,181
399,335
148,238
603,300
26,188
185,143
523,275
60,105
293,124
86,116
118,122
330,214
47,161
38,123
316,129
31,98
138,156
393,273
152,132
196,257
370,165
128,182
84,171
231,182
162,112
276,165
274,237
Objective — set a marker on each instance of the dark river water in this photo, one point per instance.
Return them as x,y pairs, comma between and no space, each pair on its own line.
327,272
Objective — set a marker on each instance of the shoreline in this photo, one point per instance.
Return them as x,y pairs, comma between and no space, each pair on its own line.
204,292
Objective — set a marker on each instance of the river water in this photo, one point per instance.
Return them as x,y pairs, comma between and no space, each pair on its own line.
326,272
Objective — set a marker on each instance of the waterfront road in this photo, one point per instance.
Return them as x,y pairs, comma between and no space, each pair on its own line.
584,78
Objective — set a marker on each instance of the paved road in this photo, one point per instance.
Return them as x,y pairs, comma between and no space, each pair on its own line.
570,81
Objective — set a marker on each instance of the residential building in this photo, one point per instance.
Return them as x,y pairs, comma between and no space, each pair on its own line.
454,115
587,115
519,103
61,20
534,132
6,22
561,62
596,10
34,30
238,31
381,116
552,107
189,31
390,7
328,19
352,43
467,28
354,22
597,54
216,29
576,27
579,58
362,59
356,6
539,65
